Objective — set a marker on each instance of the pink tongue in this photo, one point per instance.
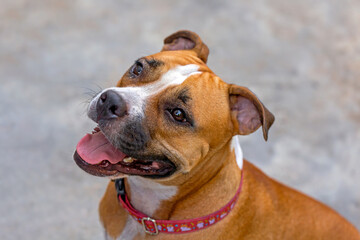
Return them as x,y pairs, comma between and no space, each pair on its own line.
94,148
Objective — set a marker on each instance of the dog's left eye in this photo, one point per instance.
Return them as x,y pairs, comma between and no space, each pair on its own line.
137,69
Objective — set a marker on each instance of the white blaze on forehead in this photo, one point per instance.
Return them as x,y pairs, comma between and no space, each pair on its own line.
137,96
235,145
175,76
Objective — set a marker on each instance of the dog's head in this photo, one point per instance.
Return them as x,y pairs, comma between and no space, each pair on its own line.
167,114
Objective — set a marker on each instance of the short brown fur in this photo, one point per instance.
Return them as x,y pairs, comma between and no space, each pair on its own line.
210,175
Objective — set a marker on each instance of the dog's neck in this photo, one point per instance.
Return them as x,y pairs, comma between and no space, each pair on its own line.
147,195
162,201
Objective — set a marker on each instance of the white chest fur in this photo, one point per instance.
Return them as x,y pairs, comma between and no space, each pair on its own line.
142,190
235,146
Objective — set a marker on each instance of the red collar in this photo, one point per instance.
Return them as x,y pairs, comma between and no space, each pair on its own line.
153,227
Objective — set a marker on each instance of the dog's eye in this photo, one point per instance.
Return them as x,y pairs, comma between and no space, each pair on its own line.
178,114
137,69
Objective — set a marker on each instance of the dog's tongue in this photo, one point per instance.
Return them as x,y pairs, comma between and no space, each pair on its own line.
94,148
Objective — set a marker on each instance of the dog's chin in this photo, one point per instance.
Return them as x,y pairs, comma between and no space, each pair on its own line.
97,156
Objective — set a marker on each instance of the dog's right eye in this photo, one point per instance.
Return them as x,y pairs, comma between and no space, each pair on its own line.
136,69
178,115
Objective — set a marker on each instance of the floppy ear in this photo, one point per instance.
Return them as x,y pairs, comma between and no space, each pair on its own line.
247,112
186,40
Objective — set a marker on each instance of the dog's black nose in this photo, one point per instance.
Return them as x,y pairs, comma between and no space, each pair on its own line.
110,105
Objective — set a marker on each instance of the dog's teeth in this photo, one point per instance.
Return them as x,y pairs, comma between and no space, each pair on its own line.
105,163
128,160
155,165
95,130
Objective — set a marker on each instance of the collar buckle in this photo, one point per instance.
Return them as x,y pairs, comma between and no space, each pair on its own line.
146,229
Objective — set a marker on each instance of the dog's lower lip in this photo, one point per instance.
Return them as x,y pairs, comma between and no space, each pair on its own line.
148,168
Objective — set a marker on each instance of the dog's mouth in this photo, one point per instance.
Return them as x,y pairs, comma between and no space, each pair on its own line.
97,156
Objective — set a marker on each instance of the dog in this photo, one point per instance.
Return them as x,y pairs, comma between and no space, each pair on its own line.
167,137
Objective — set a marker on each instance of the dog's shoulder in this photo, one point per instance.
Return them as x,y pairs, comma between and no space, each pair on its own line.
291,213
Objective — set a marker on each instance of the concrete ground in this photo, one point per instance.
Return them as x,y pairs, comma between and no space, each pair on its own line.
300,57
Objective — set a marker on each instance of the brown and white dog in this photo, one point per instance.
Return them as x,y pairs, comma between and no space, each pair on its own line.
170,128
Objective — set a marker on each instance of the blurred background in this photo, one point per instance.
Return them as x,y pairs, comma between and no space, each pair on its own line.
301,57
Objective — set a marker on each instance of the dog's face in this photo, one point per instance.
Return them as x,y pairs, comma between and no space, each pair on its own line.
166,115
